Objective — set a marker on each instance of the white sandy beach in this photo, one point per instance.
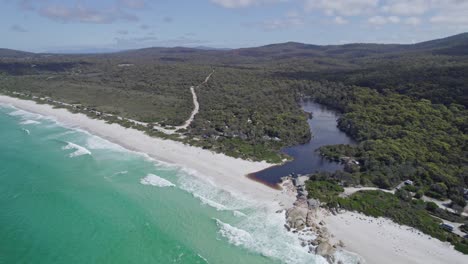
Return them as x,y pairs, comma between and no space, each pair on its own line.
376,240
226,172
380,240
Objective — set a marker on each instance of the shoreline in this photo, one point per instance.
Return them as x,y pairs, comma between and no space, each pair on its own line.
376,240
380,240
373,240
226,172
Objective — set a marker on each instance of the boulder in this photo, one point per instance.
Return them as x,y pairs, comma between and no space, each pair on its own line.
341,243
301,201
311,215
296,217
313,203
324,249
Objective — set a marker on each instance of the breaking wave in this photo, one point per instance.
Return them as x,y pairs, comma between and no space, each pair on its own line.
204,189
264,233
79,150
235,236
154,180
30,122
95,142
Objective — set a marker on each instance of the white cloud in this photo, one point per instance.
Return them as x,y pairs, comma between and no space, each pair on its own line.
377,20
413,21
283,23
450,19
240,3
407,7
381,20
84,14
340,20
440,11
342,7
393,19
134,4
454,12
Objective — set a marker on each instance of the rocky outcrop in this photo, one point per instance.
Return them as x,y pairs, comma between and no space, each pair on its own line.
326,250
302,218
313,203
296,217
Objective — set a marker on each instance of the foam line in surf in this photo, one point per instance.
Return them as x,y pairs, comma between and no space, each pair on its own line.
95,142
211,203
234,235
30,122
203,258
211,195
155,180
263,232
79,150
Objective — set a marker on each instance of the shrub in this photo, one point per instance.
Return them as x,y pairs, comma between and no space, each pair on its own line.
431,206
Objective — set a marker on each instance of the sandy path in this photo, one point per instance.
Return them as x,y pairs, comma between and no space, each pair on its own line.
196,108
348,191
196,105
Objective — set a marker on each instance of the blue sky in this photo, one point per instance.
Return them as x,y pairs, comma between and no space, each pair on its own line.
80,25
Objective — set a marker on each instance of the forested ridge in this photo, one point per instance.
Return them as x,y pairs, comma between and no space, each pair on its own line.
404,104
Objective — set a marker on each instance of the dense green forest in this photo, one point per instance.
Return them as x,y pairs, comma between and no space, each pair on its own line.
400,138
404,104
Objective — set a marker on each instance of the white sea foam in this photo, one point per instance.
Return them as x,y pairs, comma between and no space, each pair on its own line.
95,142
203,258
263,232
154,180
30,122
348,257
258,228
208,193
59,135
79,150
209,202
25,114
238,213
234,235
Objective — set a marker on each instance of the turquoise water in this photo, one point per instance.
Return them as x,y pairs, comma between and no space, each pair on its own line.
67,196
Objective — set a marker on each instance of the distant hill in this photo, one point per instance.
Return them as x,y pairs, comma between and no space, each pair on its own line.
453,45
9,53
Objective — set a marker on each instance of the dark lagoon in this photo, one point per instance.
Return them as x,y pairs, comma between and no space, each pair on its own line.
306,158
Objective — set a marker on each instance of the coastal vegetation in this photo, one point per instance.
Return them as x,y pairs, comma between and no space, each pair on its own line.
412,213
400,207
405,105
403,138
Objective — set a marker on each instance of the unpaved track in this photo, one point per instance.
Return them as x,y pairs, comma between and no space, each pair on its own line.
196,105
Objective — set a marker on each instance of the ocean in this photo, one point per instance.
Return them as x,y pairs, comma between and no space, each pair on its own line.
67,196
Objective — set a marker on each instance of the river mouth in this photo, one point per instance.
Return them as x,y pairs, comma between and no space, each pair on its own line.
306,158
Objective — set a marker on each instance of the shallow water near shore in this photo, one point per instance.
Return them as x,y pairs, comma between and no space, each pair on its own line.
306,158
71,197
